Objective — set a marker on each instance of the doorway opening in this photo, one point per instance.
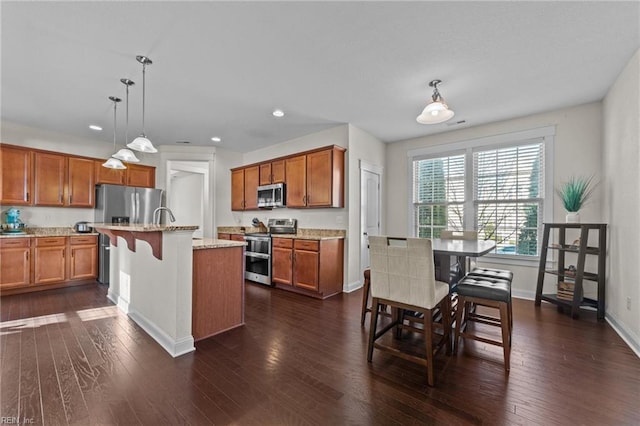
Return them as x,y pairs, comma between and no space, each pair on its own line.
188,195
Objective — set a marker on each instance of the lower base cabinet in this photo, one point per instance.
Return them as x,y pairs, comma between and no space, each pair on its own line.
311,267
41,263
15,263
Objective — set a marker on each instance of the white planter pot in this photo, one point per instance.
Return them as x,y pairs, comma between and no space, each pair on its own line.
572,217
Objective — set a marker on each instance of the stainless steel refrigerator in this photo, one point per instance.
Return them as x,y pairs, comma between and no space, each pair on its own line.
123,204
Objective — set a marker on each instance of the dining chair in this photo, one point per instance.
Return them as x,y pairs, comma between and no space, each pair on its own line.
403,277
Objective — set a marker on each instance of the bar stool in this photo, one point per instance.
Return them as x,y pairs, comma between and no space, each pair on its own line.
403,277
489,292
365,295
501,274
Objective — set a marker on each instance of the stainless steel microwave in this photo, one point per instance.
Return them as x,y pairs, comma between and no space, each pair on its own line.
272,196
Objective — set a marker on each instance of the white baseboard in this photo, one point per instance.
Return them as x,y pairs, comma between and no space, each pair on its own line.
352,287
632,341
121,303
174,347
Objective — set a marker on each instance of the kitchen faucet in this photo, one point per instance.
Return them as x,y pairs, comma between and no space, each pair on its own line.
156,221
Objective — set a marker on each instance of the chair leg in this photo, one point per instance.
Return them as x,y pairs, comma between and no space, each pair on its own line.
506,333
446,323
428,337
459,309
365,299
372,328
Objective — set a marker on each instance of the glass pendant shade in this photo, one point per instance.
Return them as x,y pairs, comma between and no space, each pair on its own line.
126,155
434,113
113,163
142,144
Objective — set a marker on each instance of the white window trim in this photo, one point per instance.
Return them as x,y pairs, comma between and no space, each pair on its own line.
547,134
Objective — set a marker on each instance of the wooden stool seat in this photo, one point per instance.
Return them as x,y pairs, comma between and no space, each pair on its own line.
489,292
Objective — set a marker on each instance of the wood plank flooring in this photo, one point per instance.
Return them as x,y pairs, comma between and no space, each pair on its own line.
68,356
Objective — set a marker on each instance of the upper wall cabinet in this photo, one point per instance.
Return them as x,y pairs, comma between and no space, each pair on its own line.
133,175
49,175
137,175
272,172
81,183
313,178
108,176
15,175
61,180
244,188
316,179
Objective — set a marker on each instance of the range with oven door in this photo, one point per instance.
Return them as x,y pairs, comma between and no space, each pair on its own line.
258,250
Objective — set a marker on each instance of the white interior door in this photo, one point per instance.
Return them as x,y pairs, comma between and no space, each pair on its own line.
369,213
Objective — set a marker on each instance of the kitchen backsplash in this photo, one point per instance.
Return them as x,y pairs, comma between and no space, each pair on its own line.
50,216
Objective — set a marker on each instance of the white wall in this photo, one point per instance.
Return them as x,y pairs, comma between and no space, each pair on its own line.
621,204
577,151
362,146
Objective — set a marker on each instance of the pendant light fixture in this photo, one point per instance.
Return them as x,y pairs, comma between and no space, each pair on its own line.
437,110
114,163
141,143
126,154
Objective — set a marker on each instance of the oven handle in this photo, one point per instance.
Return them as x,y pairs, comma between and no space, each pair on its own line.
257,255
250,238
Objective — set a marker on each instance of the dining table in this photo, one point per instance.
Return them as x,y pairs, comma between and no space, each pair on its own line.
450,252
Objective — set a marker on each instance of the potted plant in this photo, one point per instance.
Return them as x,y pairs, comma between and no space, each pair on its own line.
574,194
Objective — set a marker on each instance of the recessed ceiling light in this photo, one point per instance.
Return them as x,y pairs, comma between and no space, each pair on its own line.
216,139
278,113
96,128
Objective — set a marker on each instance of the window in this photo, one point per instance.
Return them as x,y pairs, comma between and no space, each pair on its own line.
494,185
438,194
507,197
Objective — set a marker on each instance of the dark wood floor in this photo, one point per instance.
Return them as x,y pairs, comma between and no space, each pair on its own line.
70,357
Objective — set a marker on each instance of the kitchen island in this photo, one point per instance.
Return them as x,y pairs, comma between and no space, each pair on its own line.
152,272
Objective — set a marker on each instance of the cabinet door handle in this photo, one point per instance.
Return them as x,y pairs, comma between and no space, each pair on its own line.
27,196
26,253
70,198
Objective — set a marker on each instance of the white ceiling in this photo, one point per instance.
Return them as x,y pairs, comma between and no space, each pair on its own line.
220,68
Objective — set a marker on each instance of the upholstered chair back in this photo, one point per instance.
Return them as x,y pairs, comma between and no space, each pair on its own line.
402,270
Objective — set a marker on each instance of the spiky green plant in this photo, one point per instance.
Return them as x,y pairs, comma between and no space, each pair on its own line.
576,192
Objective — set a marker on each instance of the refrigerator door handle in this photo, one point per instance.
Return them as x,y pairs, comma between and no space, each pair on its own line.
133,207
137,207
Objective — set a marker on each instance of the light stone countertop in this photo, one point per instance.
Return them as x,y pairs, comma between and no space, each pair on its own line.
212,243
303,233
59,231
144,227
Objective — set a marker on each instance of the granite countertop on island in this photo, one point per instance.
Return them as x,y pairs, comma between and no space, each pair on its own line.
143,227
212,243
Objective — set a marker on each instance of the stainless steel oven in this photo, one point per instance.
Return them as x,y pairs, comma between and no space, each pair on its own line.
258,258
258,250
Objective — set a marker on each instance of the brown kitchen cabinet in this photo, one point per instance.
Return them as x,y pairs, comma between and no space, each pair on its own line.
15,175
105,175
49,175
83,257
237,237
61,180
49,260
15,267
224,236
81,182
316,179
272,172
244,188
282,261
311,267
139,175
